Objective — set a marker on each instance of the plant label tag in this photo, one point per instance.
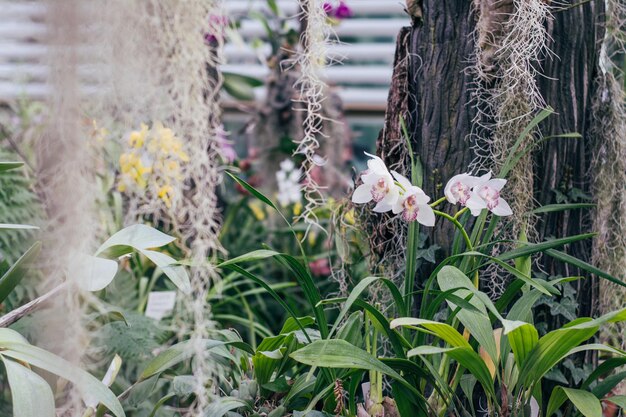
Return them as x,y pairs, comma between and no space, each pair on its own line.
160,303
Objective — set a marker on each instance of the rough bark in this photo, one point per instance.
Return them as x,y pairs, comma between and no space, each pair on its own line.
431,90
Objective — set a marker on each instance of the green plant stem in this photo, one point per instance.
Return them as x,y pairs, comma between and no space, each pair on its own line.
459,226
436,203
460,212
411,253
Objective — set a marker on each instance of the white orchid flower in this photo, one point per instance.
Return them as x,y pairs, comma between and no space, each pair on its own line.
378,186
413,203
459,188
486,194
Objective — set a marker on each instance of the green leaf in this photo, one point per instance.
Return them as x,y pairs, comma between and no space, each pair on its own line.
551,208
138,237
477,323
509,163
240,86
619,400
557,344
569,259
176,273
443,330
532,248
93,273
18,270
177,353
356,293
253,191
255,255
223,405
6,166
31,395
523,338
90,387
585,402
337,353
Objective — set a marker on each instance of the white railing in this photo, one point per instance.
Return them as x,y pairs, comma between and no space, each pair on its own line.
361,69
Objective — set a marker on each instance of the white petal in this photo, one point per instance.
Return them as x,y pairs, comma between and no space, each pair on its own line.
382,207
376,164
404,181
392,196
362,194
287,165
398,206
420,195
496,183
426,215
475,204
502,209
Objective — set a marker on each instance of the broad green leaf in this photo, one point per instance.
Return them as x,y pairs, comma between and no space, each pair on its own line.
6,166
444,331
180,352
585,402
478,324
176,273
522,337
337,353
18,270
291,325
555,345
466,357
91,389
160,404
138,236
31,395
223,405
91,272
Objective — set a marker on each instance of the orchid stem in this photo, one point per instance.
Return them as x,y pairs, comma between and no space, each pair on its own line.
458,213
459,226
436,203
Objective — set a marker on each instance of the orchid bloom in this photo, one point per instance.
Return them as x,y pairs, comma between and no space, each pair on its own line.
413,203
378,186
486,194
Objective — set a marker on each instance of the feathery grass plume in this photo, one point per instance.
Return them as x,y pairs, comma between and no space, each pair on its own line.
608,169
66,186
314,41
511,40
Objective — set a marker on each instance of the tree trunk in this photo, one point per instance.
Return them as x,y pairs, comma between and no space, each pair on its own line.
432,90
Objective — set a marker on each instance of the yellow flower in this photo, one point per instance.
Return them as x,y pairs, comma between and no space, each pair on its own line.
311,238
257,210
137,138
349,216
297,209
164,194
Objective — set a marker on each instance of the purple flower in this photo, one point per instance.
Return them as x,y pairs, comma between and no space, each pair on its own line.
343,11
328,8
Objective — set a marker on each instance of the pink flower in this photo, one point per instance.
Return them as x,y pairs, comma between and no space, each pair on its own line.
320,267
343,11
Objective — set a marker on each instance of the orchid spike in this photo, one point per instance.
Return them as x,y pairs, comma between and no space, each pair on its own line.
413,203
